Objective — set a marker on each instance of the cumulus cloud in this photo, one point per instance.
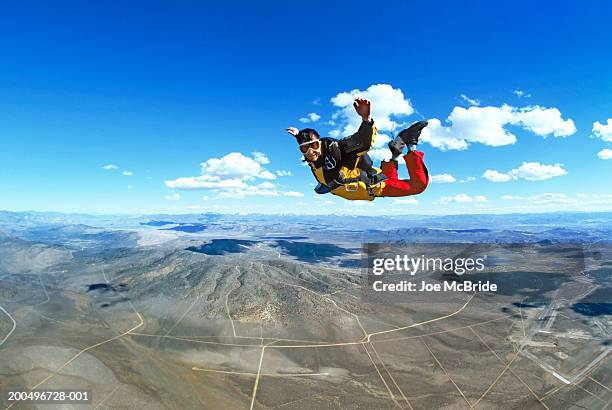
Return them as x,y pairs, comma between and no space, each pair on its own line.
530,171
173,197
229,171
470,101
261,158
463,198
236,165
109,167
605,153
310,117
442,178
235,176
486,125
496,176
603,131
406,201
348,121
128,173
388,104
545,121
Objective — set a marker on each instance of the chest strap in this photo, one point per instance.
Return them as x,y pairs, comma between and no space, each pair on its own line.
368,180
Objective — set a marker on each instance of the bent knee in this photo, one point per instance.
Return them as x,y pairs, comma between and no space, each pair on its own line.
420,186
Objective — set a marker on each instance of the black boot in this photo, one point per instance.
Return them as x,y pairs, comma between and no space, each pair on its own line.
396,146
411,135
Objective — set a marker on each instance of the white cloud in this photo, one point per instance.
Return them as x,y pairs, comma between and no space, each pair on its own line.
442,179
545,121
388,103
283,173
235,181
109,167
470,101
511,197
205,182
463,198
266,185
530,171
383,154
406,201
310,117
603,131
486,125
605,153
173,197
379,154
263,189
534,171
261,158
236,165
552,200
496,176
128,173
520,94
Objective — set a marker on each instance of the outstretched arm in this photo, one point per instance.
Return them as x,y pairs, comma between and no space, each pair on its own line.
363,106
363,139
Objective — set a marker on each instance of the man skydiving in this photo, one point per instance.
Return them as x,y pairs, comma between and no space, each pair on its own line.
344,168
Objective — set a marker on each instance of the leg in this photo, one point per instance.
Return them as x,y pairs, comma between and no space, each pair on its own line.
419,177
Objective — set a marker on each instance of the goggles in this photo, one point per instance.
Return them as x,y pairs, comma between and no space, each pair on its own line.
305,146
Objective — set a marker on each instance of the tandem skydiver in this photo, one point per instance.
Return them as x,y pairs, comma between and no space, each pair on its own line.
344,168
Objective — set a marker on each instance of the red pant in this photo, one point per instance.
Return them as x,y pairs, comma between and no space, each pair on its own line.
419,176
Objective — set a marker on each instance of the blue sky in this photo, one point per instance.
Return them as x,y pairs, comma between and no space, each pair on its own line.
158,88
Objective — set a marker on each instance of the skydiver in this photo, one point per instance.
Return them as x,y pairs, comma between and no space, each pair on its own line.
344,168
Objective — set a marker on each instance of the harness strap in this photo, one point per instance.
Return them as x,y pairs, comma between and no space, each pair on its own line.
368,180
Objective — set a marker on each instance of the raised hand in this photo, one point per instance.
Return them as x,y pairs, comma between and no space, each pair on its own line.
362,106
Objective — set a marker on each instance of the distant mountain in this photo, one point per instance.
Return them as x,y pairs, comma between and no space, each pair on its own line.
21,256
